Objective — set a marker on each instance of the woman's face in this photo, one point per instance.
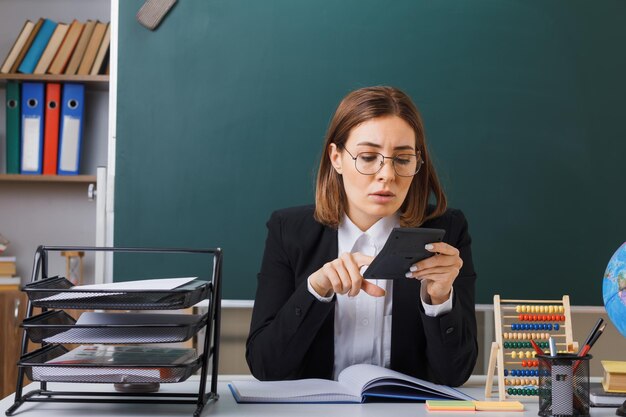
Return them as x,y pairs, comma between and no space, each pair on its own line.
372,197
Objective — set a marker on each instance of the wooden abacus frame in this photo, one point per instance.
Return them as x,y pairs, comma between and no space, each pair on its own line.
509,312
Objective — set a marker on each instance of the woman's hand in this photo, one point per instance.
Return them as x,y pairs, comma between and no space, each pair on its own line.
343,276
438,271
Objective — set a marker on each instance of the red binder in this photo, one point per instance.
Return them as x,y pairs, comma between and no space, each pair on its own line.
51,129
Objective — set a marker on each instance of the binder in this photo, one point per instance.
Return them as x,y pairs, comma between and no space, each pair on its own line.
71,134
32,127
51,130
13,127
36,49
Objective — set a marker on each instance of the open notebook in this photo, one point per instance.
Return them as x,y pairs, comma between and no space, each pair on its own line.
355,384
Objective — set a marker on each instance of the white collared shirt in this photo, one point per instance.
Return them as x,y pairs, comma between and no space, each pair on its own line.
363,322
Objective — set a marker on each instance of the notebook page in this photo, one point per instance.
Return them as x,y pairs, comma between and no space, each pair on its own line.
302,390
367,376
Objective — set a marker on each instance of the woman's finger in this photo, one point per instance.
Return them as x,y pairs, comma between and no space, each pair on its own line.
355,275
452,263
331,275
438,260
344,276
443,248
438,277
371,289
362,260
447,272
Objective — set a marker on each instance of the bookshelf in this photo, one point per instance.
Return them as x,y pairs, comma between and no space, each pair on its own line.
25,200
92,82
48,178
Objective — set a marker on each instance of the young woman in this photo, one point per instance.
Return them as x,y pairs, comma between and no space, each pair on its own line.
314,313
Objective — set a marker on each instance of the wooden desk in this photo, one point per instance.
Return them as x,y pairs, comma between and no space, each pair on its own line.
226,406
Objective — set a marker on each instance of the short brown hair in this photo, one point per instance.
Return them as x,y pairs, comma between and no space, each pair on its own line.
360,106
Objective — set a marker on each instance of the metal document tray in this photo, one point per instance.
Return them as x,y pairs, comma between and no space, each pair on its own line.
56,326
57,292
36,368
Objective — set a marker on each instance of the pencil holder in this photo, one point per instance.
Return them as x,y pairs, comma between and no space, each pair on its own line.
564,385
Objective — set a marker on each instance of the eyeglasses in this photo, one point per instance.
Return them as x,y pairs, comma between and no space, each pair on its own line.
369,163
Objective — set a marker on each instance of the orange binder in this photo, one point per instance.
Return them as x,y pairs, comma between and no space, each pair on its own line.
51,129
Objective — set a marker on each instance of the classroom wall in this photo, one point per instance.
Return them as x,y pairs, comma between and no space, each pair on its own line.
32,214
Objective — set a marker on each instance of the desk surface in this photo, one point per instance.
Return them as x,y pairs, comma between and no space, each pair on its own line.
226,406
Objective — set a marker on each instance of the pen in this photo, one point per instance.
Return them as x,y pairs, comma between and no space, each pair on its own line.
552,345
587,347
594,329
537,348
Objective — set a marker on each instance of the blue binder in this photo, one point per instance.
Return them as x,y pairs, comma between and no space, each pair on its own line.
71,134
37,47
32,127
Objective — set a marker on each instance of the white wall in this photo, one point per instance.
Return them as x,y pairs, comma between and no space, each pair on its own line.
44,213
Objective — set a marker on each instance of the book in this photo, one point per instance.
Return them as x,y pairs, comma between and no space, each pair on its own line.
600,398
8,269
92,48
9,280
32,57
614,379
64,53
18,45
27,45
355,384
51,48
102,52
79,51
7,287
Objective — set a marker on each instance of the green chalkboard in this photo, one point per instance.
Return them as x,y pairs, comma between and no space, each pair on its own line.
222,110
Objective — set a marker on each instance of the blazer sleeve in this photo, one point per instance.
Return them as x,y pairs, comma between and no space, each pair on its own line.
452,345
286,317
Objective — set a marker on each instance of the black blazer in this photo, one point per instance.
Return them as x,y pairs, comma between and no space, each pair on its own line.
292,333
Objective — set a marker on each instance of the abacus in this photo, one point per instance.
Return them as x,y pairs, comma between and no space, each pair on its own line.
516,323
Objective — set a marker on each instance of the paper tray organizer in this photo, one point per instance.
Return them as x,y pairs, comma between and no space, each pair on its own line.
56,326
53,328
36,368
57,292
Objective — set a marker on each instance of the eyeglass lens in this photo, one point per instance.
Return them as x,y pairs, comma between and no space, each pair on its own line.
405,165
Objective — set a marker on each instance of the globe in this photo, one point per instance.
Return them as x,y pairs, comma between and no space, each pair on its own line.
614,289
